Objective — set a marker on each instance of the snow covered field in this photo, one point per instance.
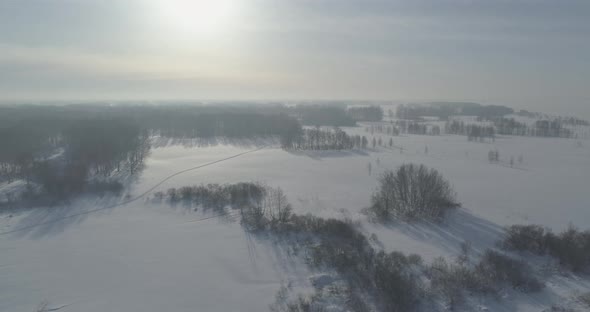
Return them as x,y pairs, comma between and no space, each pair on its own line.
144,256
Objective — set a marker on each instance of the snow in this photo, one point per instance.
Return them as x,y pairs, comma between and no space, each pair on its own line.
144,256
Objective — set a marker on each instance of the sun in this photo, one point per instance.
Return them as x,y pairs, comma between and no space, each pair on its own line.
196,17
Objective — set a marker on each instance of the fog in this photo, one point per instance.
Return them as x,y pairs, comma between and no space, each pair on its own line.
294,156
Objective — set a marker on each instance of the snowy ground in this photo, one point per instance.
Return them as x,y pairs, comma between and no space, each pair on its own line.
143,256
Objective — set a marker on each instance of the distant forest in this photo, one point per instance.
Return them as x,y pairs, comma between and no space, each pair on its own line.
366,113
74,148
552,128
444,110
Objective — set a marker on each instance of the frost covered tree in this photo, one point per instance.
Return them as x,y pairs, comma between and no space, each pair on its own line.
413,191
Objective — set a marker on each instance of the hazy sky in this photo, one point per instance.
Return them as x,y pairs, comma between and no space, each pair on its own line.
530,54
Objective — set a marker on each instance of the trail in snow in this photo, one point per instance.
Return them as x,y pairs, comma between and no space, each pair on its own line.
134,198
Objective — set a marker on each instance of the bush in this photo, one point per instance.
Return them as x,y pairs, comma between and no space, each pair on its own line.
172,194
396,284
277,206
253,217
494,269
415,259
498,268
217,196
571,247
271,208
413,191
526,237
185,192
388,278
585,299
102,187
159,195
244,193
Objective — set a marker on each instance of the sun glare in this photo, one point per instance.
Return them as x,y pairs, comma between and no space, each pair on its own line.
196,17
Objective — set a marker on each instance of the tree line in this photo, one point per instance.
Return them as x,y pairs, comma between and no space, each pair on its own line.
64,157
553,128
474,132
415,127
444,110
366,113
322,115
323,139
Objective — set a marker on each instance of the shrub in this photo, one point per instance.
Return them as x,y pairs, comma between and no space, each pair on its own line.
254,217
159,195
389,278
585,299
272,209
558,308
451,280
396,284
498,268
415,259
218,196
494,269
571,247
186,192
102,187
242,194
413,191
526,237
277,205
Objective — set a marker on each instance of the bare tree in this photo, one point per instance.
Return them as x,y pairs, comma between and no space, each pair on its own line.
413,191
277,206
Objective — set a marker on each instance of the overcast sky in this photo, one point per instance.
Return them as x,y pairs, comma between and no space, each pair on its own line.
528,54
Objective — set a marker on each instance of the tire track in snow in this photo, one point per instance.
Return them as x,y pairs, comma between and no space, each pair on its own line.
134,198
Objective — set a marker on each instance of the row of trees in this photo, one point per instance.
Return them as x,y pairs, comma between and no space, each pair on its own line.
323,139
540,128
422,129
323,115
444,110
414,127
508,126
384,129
219,124
571,121
474,132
